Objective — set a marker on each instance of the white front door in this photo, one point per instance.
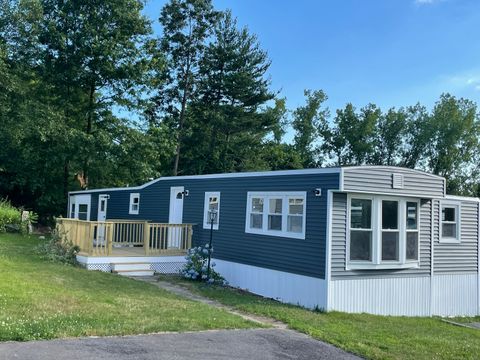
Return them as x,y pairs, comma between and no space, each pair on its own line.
101,217
175,216
176,205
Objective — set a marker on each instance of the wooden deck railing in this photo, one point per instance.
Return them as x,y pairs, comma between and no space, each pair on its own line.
104,238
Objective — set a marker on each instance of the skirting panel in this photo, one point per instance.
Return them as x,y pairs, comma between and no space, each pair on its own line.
389,296
162,265
167,267
286,287
455,295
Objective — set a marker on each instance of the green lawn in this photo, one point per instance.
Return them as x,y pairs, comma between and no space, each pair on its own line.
375,337
43,300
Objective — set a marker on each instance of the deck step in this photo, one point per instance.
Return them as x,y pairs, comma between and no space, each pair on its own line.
135,272
130,266
132,269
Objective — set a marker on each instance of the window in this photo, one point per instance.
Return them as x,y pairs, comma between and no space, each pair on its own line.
276,213
82,211
212,203
382,232
361,229
72,211
390,231
411,230
450,219
256,214
134,204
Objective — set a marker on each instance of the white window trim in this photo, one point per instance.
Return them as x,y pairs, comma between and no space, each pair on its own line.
206,220
376,225
458,214
276,194
131,211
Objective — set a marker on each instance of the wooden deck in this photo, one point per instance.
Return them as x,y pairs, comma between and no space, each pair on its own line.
126,238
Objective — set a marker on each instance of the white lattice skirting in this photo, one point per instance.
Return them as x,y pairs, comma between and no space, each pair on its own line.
161,265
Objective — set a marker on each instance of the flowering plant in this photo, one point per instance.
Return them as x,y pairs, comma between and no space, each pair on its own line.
196,267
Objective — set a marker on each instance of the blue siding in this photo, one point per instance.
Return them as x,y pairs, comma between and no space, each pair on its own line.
231,243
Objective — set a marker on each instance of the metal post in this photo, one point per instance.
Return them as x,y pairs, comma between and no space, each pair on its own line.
213,216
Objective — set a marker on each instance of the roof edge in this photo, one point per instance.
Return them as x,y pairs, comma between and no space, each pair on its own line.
329,170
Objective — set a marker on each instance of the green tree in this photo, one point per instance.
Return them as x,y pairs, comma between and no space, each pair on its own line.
186,25
389,138
306,121
349,140
93,59
453,149
231,118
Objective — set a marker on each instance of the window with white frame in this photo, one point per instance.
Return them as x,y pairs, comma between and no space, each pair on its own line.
276,213
134,204
212,204
82,211
72,210
383,232
450,222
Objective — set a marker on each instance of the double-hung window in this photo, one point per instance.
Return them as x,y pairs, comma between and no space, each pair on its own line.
82,211
134,207
383,232
450,222
276,213
411,215
211,210
361,229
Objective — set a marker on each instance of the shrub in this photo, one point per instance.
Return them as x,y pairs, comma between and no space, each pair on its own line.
11,218
196,267
58,249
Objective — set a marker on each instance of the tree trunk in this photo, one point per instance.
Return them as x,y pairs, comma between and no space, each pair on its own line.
86,162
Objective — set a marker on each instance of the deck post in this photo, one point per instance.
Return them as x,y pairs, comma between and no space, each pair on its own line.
109,229
89,239
189,238
146,237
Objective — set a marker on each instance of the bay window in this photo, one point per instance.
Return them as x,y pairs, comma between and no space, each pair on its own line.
276,214
383,232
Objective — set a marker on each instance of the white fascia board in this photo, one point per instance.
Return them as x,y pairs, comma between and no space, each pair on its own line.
220,176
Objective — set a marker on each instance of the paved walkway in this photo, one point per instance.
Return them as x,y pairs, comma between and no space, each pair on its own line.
265,344
276,343
184,292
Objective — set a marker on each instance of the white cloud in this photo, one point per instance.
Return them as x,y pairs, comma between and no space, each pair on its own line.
426,2
467,80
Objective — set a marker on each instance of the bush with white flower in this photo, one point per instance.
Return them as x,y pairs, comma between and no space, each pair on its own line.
196,267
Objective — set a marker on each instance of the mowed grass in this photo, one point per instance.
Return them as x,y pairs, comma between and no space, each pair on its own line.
44,300
370,336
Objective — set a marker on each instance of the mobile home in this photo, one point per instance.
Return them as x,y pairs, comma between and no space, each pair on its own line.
375,239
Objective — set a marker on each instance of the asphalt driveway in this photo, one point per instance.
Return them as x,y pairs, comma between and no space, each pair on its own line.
265,344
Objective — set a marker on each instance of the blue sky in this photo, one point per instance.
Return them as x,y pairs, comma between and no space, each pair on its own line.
389,52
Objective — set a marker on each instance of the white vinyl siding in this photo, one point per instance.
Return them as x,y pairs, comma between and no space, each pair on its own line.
134,207
212,203
276,213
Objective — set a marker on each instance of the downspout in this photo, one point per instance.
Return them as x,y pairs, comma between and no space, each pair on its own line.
478,257
432,249
328,248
